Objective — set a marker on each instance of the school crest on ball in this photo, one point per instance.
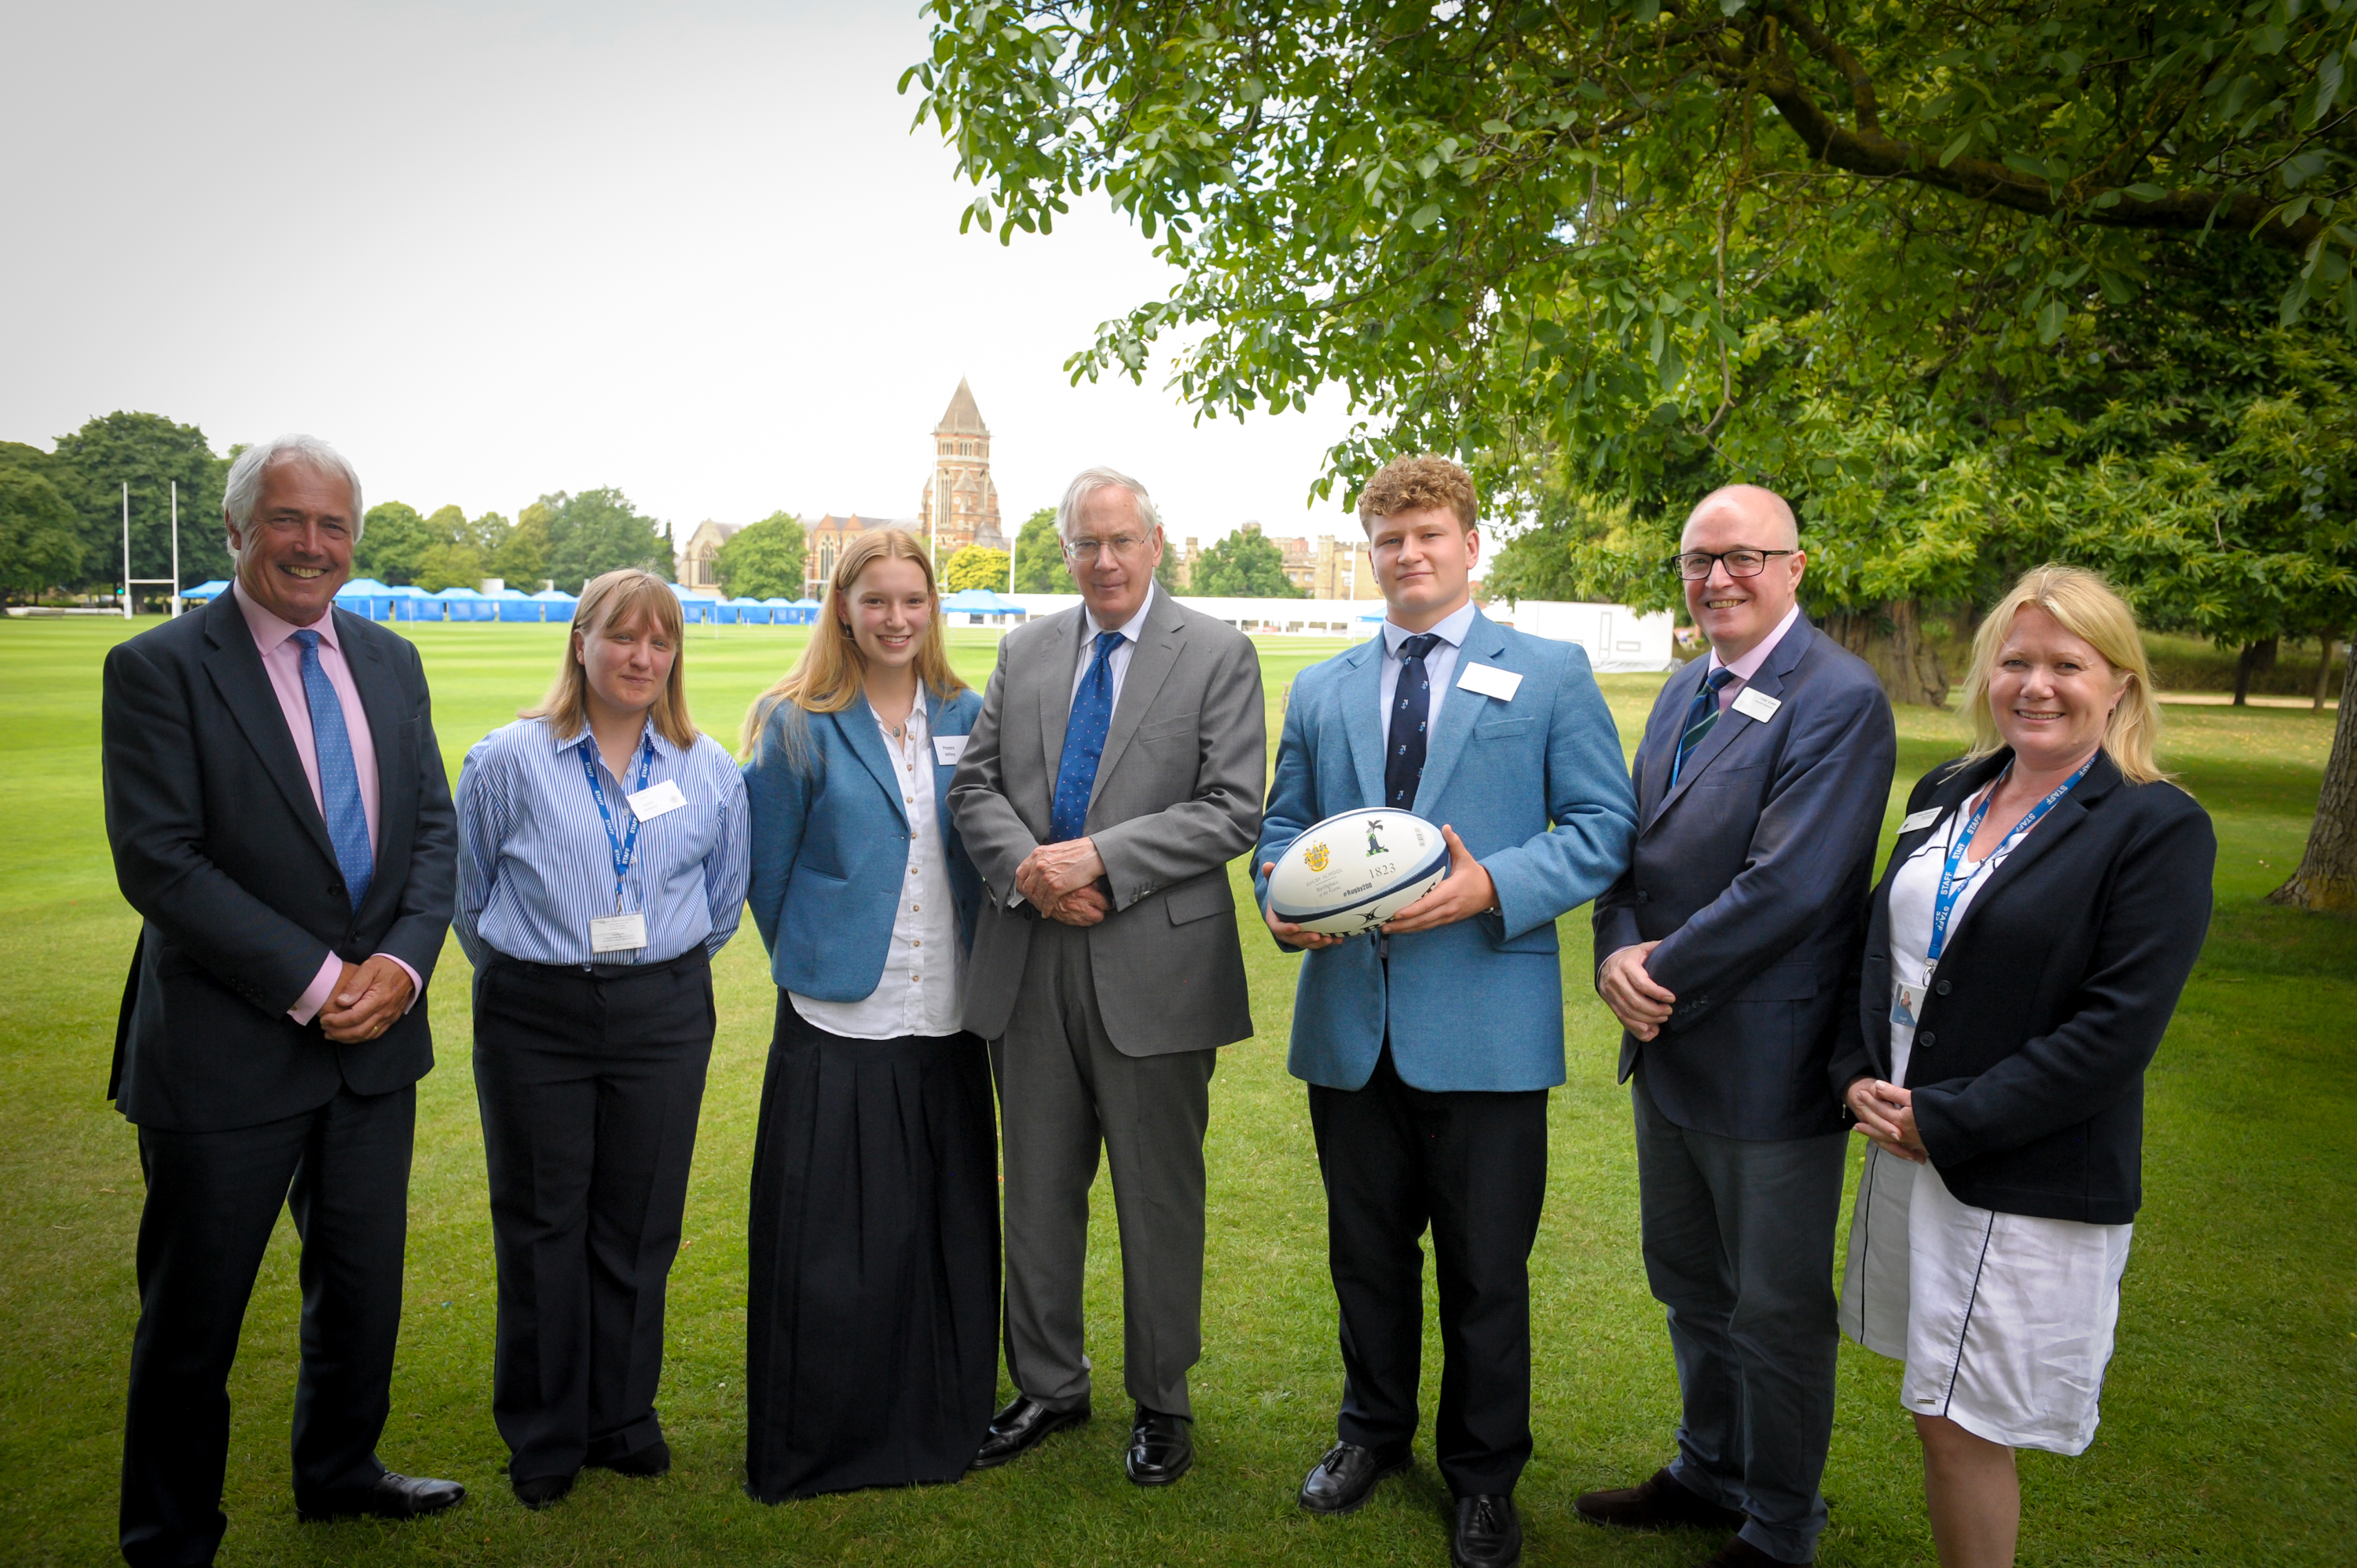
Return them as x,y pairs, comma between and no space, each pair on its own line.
1317,856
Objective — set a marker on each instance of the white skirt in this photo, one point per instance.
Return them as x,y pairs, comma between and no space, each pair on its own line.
2005,1321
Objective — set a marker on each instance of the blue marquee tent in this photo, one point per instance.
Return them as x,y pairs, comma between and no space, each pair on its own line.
466,604
555,605
366,597
204,591
981,606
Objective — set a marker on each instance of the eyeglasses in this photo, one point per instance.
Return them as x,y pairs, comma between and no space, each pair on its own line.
1085,551
1695,564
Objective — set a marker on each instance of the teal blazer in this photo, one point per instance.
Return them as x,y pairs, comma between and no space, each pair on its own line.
1537,787
831,845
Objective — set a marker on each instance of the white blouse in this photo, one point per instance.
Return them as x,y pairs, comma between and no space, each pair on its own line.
1913,892
918,993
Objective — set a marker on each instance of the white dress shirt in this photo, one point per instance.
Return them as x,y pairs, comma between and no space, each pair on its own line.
1913,892
918,993
1438,665
1117,661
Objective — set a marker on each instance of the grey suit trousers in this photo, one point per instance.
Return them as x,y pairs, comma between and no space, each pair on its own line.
1739,1248
1063,1088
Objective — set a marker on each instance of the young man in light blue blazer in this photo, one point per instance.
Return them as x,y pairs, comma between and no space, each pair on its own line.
1429,1046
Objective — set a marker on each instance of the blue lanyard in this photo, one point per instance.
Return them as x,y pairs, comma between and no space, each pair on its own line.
1952,887
625,847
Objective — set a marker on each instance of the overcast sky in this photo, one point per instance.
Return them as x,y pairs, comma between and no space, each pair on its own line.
501,247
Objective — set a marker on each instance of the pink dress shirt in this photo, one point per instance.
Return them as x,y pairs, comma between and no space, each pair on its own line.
282,661
1745,668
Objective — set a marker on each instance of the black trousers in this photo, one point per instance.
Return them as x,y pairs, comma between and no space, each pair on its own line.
1472,1167
871,1335
589,1086
213,1200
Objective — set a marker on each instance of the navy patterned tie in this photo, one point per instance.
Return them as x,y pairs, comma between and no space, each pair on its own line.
1084,739
340,780
1411,711
1701,714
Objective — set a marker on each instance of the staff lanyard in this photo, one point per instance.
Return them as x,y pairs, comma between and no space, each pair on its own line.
625,846
1952,887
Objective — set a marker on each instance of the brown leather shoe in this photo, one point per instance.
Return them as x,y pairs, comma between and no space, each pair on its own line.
1740,1553
1661,1503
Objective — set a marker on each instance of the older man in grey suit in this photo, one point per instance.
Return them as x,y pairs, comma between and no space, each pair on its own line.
1116,769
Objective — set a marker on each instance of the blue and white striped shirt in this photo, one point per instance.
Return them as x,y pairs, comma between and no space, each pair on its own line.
535,866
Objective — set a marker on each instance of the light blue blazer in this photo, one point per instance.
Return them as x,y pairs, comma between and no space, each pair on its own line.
1537,787
831,845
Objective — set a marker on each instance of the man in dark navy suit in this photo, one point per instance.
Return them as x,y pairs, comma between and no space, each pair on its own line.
281,821
1726,950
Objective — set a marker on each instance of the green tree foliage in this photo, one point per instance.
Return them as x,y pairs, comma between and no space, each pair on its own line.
1246,565
453,559
764,560
39,547
393,543
521,557
600,531
1039,556
152,453
975,566
1165,570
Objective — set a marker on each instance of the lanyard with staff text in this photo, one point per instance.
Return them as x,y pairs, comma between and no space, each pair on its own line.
1943,905
625,847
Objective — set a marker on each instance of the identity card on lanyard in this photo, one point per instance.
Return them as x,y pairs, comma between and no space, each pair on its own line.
1908,1004
618,932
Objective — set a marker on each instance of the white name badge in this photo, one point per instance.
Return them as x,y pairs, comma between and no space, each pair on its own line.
1488,681
618,933
948,748
1923,818
1754,703
652,801
1907,1005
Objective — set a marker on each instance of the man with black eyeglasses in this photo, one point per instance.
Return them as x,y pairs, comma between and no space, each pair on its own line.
1728,951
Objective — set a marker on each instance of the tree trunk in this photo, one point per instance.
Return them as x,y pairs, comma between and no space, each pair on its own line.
1890,639
2255,658
2327,878
2326,643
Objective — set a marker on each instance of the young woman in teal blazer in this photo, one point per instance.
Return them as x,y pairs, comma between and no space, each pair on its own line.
872,1342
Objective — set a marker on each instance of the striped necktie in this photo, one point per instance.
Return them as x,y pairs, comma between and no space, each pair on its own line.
1701,714
339,779
1403,747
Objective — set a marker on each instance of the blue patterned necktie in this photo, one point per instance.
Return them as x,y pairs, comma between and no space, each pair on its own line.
339,779
1084,739
1411,717
1701,714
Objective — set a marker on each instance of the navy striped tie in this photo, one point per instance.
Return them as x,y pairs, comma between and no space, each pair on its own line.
1701,714
1411,707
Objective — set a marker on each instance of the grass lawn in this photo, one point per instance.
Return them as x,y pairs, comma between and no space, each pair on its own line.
2228,1419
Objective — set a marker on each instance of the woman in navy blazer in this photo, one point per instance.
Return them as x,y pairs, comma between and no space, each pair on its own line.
871,1338
2025,950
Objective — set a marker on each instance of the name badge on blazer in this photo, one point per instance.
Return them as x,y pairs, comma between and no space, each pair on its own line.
1923,818
948,748
1754,703
1488,681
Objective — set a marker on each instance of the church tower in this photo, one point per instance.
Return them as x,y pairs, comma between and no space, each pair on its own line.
961,504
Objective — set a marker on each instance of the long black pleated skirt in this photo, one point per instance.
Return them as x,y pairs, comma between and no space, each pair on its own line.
872,1333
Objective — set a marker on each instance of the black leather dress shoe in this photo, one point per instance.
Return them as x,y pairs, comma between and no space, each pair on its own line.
387,1496
1659,1503
540,1491
1023,1426
1346,1477
1161,1449
652,1460
1489,1534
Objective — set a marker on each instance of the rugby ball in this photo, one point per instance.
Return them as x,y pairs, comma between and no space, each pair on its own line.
1349,873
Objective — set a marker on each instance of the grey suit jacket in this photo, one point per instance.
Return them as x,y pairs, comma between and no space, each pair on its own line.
1176,796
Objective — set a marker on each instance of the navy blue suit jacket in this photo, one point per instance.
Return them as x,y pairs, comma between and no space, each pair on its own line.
1752,873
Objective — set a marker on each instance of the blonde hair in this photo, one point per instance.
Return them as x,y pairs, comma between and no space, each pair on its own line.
2085,606
628,596
831,669
1422,483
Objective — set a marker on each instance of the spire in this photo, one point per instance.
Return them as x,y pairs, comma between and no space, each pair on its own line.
962,418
